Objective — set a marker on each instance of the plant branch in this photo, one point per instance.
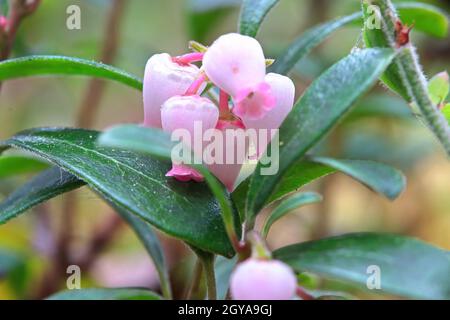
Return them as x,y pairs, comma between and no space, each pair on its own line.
411,74
96,87
196,279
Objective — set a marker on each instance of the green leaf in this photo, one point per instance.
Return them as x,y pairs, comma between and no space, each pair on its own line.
49,184
408,267
425,17
59,65
15,165
204,15
438,87
446,112
9,261
303,45
157,143
105,294
252,15
422,14
134,182
288,206
377,176
324,103
56,181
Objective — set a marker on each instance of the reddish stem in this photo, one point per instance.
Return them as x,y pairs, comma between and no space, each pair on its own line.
223,102
195,86
189,58
303,294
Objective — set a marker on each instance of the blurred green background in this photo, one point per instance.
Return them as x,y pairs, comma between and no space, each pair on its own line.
381,128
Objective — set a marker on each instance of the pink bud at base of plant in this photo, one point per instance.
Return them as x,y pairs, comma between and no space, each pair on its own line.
163,79
189,113
234,62
184,173
283,90
256,279
228,171
254,103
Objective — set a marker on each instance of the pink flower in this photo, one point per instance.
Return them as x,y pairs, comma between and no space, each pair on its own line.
254,103
235,62
163,79
256,279
195,115
283,90
233,154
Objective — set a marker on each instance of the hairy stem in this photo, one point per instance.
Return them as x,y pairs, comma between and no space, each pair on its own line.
411,74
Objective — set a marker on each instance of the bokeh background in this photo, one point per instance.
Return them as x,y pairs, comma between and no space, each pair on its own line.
381,128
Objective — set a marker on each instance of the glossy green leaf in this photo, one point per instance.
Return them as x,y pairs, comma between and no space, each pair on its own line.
133,182
49,184
157,143
408,267
303,45
252,15
9,261
105,294
14,165
425,17
324,103
382,178
376,176
59,65
438,88
287,206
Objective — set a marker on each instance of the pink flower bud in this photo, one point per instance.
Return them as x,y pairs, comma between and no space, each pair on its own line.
163,79
195,114
3,23
256,279
235,146
283,90
235,62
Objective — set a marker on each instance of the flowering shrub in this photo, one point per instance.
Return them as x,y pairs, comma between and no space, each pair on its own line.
213,111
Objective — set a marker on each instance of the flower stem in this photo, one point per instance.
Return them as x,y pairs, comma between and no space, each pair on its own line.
195,86
207,262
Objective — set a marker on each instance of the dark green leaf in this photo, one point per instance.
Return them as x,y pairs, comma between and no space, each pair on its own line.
157,143
408,267
131,181
15,165
303,45
59,65
46,185
377,176
289,205
252,15
324,103
105,294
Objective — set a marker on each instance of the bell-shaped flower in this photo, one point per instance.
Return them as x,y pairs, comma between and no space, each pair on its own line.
283,90
258,279
235,62
228,152
163,79
188,117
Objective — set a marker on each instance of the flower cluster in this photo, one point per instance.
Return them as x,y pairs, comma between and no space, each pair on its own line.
248,98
